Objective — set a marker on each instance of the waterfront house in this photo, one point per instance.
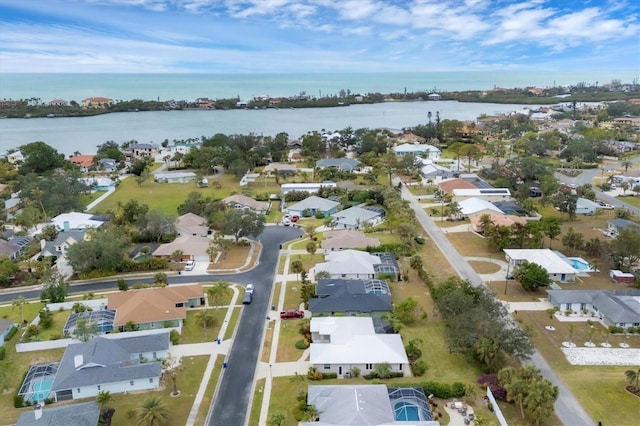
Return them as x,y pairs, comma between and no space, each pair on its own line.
84,162
58,103
417,149
97,102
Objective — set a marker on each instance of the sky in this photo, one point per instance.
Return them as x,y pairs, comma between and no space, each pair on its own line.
306,36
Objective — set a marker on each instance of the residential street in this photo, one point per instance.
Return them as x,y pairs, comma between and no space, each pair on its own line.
567,407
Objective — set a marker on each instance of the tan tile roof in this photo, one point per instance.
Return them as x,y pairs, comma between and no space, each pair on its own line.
347,239
498,220
189,244
152,304
82,160
192,223
450,185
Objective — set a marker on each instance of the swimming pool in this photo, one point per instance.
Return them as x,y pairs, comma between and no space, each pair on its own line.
41,389
581,265
405,411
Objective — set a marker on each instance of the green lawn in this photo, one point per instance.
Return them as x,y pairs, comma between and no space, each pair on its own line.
292,295
29,311
188,380
59,320
634,201
289,335
256,404
194,333
164,196
233,321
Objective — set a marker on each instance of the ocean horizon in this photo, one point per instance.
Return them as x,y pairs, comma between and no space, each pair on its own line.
76,87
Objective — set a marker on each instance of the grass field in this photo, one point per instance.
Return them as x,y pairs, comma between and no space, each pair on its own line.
208,393
164,196
256,403
194,333
289,335
234,257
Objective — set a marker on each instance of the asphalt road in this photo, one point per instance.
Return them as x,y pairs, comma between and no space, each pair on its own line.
567,407
232,402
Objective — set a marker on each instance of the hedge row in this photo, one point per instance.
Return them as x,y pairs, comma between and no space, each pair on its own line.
11,333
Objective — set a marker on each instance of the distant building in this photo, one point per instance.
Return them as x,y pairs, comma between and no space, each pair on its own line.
97,102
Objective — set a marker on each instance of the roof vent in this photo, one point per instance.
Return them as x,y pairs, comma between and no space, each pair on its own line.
78,360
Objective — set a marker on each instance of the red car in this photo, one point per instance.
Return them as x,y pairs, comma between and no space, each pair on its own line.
291,313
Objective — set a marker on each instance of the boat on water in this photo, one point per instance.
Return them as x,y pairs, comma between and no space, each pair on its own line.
51,115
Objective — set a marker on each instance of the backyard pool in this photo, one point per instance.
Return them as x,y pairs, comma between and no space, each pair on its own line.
581,265
405,411
41,389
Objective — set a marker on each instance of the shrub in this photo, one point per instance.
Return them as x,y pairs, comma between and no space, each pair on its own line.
319,215
56,337
615,329
174,336
11,333
444,390
46,319
301,344
18,401
398,249
374,375
355,372
419,367
329,375
3,352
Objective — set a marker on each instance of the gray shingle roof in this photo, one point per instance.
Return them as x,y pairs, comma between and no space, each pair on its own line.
85,414
337,295
617,309
341,163
106,360
314,202
352,215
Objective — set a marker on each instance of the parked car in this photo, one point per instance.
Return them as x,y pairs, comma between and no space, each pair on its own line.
249,288
247,298
605,206
291,313
294,218
286,221
190,265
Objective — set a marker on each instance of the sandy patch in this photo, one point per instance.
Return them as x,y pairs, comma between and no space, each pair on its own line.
602,356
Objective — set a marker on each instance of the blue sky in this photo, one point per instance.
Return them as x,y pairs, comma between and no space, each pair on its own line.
290,36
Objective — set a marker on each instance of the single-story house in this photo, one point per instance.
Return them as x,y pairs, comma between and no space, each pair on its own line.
175,177
476,207
614,226
5,327
344,164
313,205
449,185
351,297
621,277
96,102
83,414
75,221
489,194
283,169
155,307
556,266
430,170
497,219
115,364
434,96
369,405
417,149
192,224
98,183
342,343
619,310
306,187
586,206
510,207
192,248
346,239
85,162
356,218
242,202
356,264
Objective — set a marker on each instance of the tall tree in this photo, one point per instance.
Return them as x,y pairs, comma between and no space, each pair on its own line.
217,292
240,223
54,288
532,276
19,302
551,227
39,158
297,267
205,318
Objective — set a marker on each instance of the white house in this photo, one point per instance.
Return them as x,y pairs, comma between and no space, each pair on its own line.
110,364
356,218
417,149
15,157
306,187
586,207
488,194
556,266
342,343
612,309
349,264
75,221
175,177
477,207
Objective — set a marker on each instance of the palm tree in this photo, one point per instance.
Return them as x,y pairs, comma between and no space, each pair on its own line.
152,411
216,292
18,302
416,262
626,164
206,319
311,414
634,379
297,267
310,230
104,398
